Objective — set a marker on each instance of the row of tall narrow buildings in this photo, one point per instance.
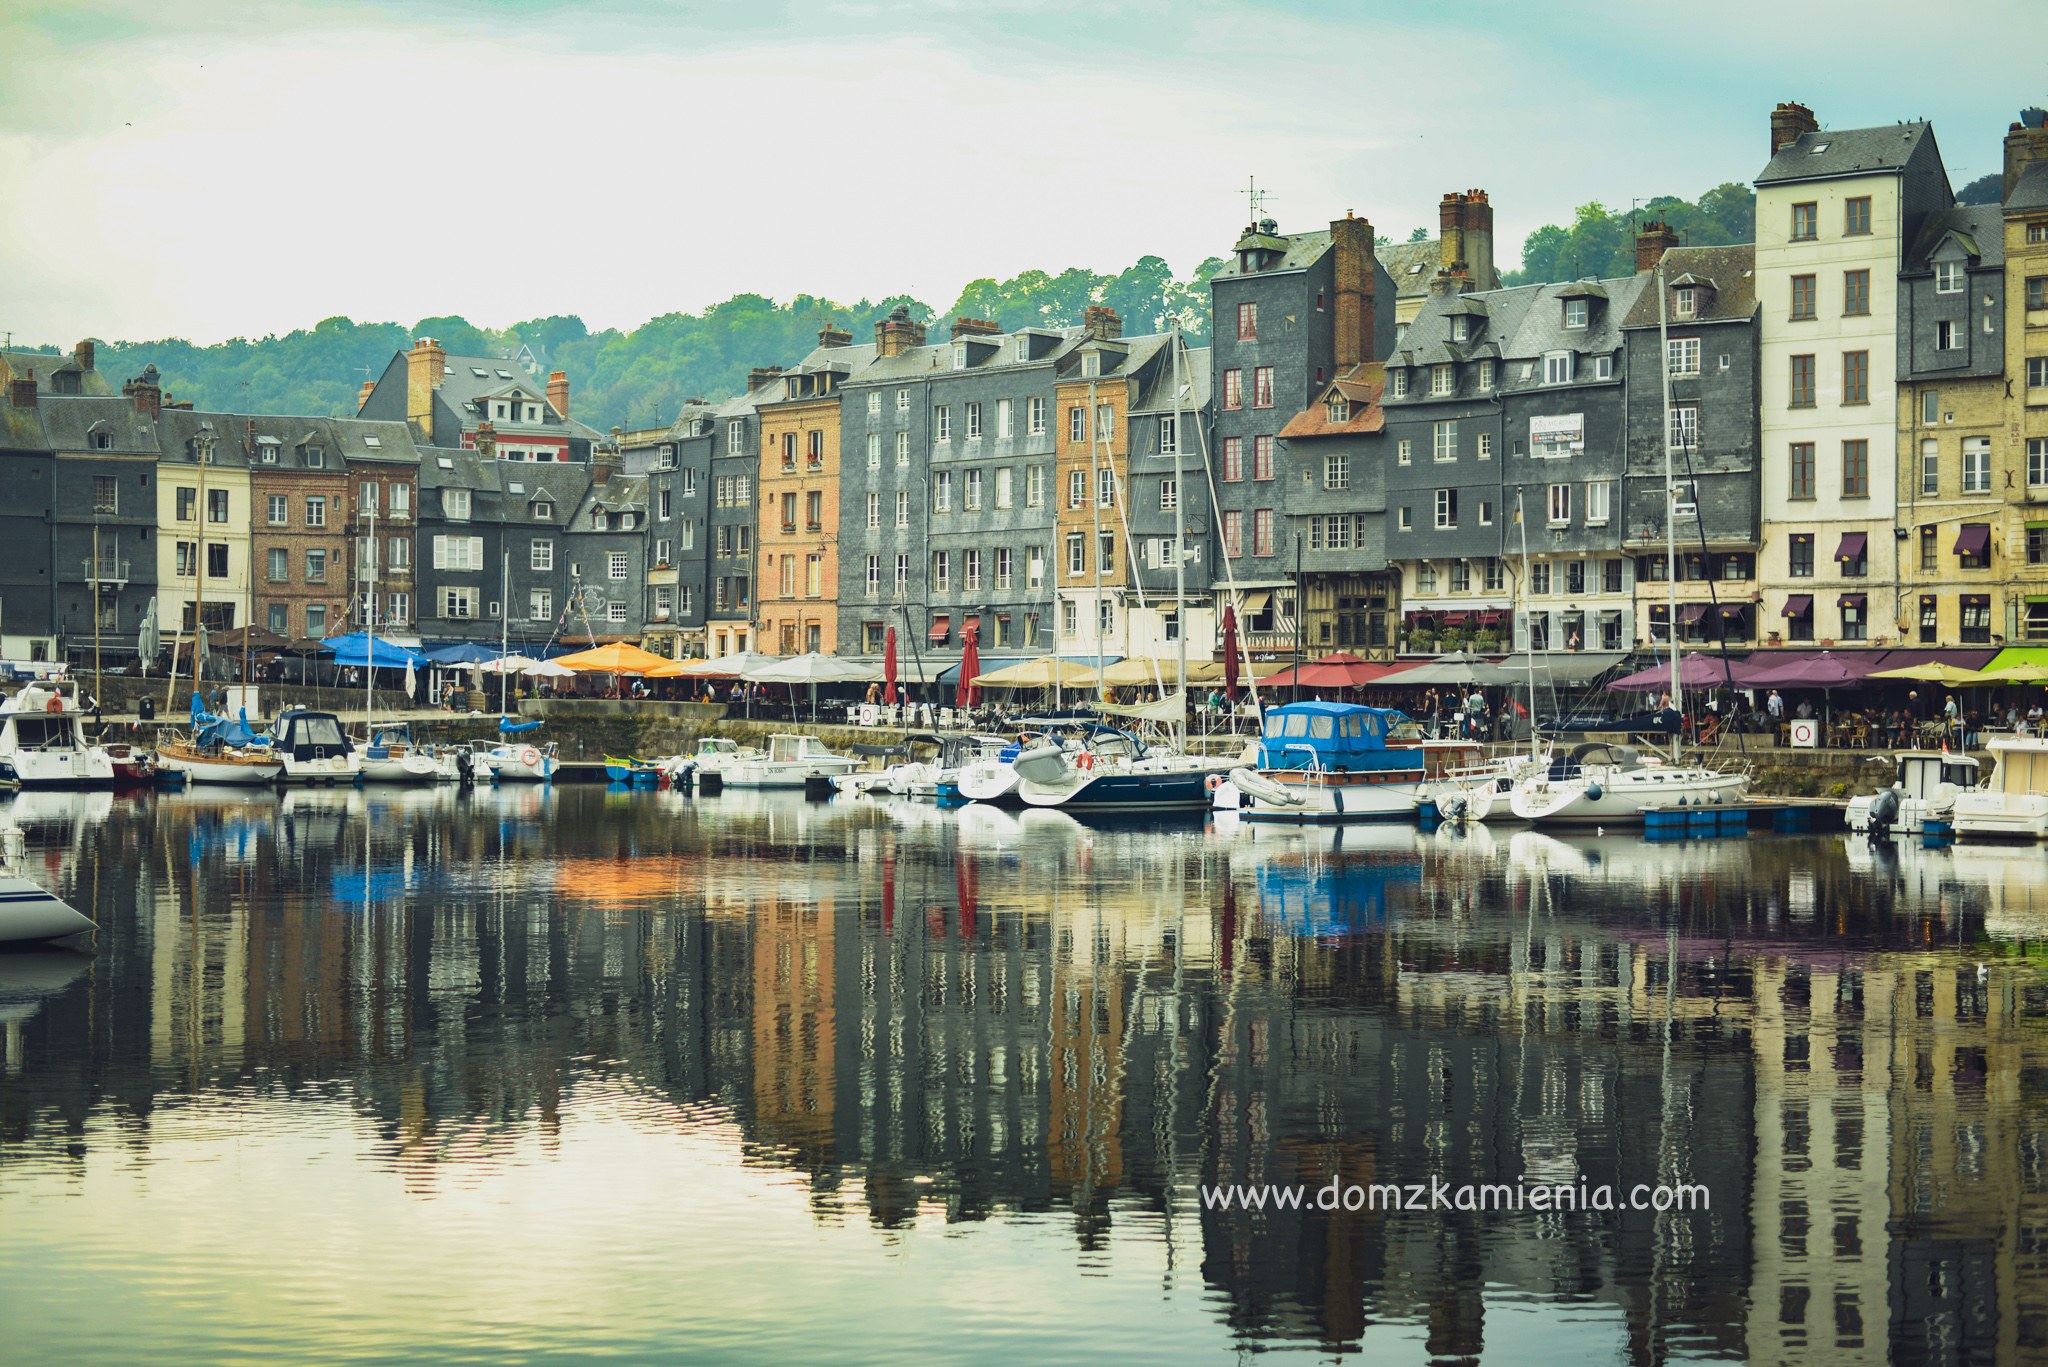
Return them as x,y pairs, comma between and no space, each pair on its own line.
1843,426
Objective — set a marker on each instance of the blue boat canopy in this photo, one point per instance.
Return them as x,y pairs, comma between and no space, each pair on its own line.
1338,735
359,648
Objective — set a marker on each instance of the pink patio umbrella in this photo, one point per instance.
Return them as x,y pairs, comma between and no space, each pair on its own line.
889,667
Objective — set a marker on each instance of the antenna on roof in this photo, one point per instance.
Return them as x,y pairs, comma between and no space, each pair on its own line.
1255,197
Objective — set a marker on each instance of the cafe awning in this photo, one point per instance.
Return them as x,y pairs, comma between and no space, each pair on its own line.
1799,605
942,626
1255,601
1852,546
1692,612
1974,538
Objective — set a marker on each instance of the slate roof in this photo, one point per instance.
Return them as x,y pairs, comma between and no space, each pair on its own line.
178,428
46,365
2030,191
1412,264
462,389
67,419
1542,326
1158,396
1303,249
1845,152
352,437
564,483
1981,226
1428,339
21,429
1732,272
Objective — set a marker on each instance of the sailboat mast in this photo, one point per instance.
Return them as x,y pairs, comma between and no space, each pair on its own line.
504,628
370,626
1670,506
199,561
1094,428
1180,560
1522,524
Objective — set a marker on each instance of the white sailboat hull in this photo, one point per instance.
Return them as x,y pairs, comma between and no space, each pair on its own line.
221,772
1609,798
28,912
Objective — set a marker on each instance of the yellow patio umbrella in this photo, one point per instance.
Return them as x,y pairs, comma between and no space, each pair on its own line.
1143,673
1041,673
619,658
1954,676
2018,674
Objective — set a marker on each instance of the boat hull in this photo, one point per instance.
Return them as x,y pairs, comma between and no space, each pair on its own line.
1123,790
767,774
224,772
2001,816
992,782
515,768
29,913
83,767
1292,797
327,769
1619,799
407,768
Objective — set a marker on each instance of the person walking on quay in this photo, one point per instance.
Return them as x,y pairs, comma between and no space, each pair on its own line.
1475,715
1950,714
1775,707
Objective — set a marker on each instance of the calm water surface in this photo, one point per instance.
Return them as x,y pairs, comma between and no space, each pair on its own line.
550,1075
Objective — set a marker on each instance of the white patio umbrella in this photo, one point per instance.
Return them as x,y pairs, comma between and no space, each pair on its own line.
548,669
813,669
512,663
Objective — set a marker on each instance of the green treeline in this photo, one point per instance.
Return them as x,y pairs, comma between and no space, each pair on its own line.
642,377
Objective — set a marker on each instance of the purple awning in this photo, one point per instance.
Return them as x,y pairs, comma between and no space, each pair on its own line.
1974,539
1798,604
1694,671
1692,612
1852,546
1813,671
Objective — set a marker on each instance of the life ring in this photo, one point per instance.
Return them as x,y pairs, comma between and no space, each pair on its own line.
55,704
529,757
1213,782
1085,760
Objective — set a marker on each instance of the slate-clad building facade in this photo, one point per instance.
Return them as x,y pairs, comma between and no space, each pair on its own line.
28,477
885,501
729,562
1169,428
459,572
103,516
1349,593
1709,319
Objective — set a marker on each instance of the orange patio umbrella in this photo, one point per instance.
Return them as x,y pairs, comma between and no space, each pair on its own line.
619,658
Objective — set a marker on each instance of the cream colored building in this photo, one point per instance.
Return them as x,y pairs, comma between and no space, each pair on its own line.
1835,213
203,521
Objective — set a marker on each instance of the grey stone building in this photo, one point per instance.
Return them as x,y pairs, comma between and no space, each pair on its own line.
1338,443
449,400
536,505
103,516
1290,311
1166,494
27,478
460,573
886,519
1710,321
607,544
676,463
735,453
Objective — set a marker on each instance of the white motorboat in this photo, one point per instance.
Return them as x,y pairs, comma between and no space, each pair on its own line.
1613,785
1926,789
1328,762
42,740
28,910
791,761
314,749
716,754
1114,771
2013,803
393,756
518,761
922,778
993,778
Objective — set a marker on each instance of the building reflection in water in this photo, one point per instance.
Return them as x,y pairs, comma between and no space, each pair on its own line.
926,1016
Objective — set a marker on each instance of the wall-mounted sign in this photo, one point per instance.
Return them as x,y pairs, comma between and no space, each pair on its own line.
1557,437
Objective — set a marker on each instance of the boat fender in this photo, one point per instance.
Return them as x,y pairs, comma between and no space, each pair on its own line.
529,757
1213,782
55,704
1593,792
1337,796
1084,760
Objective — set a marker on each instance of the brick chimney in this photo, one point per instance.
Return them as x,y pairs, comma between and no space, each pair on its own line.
1102,323
1351,263
145,392
485,439
1653,239
83,354
558,391
760,375
1788,123
896,334
601,472
1465,235
21,390
975,327
2025,142
425,365
249,438
833,336
363,395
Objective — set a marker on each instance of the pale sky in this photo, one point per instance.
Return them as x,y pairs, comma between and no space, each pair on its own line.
213,168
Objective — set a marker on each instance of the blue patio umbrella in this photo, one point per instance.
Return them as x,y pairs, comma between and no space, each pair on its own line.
358,648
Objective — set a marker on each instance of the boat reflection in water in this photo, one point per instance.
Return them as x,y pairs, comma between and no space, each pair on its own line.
487,1033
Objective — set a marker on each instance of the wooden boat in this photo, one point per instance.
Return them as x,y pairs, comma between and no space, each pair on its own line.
242,766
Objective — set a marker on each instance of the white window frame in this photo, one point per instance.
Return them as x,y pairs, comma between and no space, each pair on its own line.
1948,277
1976,465
1443,441
1557,367
1599,502
1446,510
1560,506
1682,356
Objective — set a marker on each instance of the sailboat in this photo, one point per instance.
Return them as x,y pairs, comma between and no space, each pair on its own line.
513,760
1601,783
1112,769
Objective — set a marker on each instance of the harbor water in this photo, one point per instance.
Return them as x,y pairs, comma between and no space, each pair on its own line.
545,1075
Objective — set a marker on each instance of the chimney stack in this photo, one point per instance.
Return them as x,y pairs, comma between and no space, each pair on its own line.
2025,142
558,391
425,365
83,353
896,334
1653,239
1352,269
601,470
1465,235
21,390
1790,121
760,375
146,393
1102,323
363,395
977,327
485,440
249,438
834,336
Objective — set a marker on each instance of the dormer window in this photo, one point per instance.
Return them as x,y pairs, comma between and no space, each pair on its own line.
1948,277
533,412
1486,376
498,410
1340,409
959,355
1091,364
1685,302
1557,367
315,456
625,522
665,458
597,520
1442,379
543,511
1400,383
1575,313
1461,328
1023,348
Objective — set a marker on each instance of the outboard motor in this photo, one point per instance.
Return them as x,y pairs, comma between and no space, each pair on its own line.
1884,814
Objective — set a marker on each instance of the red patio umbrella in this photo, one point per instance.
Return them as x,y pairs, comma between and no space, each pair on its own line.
1333,671
965,693
889,667
1231,662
